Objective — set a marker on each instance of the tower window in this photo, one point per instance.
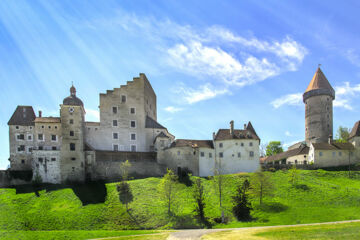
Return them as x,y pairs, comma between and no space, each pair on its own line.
54,148
114,110
123,98
132,110
210,155
71,133
115,136
133,136
133,124
71,121
239,155
53,159
73,159
72,146
23,161
250,144
115,123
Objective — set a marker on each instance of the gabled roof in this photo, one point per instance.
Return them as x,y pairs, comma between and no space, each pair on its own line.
192,143
47,120
319,81
151,123
251,128
302,150
224,134
355,131
333,146
23,116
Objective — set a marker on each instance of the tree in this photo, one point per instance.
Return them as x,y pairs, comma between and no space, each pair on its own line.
219,183
124,169
261,185
273,148
199,197
293,175
342,134
125,194
167,188
242,206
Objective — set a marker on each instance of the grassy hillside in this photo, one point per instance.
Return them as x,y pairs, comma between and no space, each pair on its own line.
320,196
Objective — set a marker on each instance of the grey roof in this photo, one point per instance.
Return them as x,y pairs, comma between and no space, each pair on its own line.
319,85
73,101
248,133
333,146
355,131
47,120
23,116
151,123
302,150
192,143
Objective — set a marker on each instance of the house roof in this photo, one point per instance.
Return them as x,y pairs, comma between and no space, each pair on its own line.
47,120
333,146
355,131
302,150
23,116
248,133
319,81
151,123
73,100
192,143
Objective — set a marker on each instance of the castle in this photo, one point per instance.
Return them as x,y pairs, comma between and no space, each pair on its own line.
319,148
68,148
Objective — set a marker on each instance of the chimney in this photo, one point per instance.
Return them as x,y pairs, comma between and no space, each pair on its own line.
40,114
232,127
245,126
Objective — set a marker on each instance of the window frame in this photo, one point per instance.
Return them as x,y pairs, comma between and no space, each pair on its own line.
133,121
134,111
131,134
43,137
115,134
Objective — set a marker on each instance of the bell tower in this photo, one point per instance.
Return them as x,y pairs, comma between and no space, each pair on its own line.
72,114
318,99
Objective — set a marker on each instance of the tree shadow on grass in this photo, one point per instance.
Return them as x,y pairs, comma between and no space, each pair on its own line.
273,207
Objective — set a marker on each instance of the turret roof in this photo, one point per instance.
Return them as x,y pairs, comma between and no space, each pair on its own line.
319,81
355,131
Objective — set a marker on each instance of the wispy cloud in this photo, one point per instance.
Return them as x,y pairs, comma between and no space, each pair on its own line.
204,92
288,134
173,109
92,115
344,95
214,54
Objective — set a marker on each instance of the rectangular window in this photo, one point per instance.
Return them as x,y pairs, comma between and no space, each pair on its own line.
239,155
53,159
242,144
41,148
220,145
115,136
23,161
41,137
54,148
221,155
132,110
250,144
21,148
29,137
334,154
71,121
320,154
133,124
53,138
73,159
340,153
133,148
71,133
251,154
133,136
210,155
123,98
41,160
114,110
116,147
30,149
20,137
115,123
202,154
72,146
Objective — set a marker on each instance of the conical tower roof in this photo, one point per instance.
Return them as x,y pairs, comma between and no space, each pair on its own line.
319,85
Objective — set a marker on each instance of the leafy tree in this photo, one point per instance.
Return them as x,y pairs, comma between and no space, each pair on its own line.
125,194
273,148
293,175
167,188
242,205
124,169
261,185
199,197
342,134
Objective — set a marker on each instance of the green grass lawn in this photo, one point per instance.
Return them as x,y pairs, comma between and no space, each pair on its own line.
77,235
327,196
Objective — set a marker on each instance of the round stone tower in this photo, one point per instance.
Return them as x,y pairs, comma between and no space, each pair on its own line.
318,99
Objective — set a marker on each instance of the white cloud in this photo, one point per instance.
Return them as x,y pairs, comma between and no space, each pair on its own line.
286,145
290,99
288,134
344,94
92,115
172,109
204,92
352,56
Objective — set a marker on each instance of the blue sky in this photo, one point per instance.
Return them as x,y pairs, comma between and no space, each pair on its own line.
209,62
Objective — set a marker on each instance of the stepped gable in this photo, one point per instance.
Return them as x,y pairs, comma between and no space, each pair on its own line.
319,85
355,131
151,123
23,116
192,143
